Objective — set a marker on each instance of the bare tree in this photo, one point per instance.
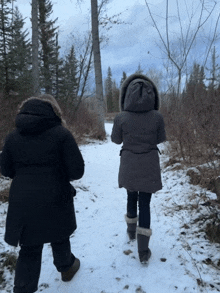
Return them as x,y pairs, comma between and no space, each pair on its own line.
186,39
35,68
97,66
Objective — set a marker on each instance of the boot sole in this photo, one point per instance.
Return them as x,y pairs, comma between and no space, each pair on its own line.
146,262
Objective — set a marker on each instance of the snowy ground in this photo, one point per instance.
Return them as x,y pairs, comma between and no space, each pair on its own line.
183,260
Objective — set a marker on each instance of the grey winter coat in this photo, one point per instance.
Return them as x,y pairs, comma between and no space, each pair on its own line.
42,157
140,127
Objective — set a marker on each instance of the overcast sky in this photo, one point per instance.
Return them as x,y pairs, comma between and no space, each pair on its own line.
134,42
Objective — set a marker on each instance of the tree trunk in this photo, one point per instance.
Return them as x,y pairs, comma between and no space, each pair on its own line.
98,69
35,67
5,57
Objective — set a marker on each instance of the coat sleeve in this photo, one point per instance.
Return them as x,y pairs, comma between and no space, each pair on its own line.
72,158
6,161
161,134
116,135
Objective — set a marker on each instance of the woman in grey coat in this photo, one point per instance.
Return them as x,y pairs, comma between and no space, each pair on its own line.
140,127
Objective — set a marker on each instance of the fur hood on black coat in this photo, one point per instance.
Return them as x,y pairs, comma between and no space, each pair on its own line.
126,83
45,98
37,114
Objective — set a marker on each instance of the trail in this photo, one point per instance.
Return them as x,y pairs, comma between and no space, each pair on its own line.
101,242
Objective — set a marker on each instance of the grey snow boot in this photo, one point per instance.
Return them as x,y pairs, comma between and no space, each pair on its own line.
131,227
143,237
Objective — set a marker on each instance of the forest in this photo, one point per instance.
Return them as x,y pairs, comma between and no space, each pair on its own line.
190,101
66,77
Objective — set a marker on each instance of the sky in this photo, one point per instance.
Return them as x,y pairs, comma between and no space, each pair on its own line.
135,41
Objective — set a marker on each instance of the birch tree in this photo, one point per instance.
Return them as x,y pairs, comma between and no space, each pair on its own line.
98,68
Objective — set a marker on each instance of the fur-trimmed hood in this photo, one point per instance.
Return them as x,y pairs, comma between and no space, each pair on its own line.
145,79
37,114
46,98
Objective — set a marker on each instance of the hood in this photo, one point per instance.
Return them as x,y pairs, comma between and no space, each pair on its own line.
36,116
138,94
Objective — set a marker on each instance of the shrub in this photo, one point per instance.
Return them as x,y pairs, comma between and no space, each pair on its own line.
9,105
83,123
4,195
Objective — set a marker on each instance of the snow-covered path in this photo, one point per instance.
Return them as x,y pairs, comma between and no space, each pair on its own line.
109,263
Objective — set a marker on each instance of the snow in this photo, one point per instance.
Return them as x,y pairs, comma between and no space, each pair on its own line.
179,249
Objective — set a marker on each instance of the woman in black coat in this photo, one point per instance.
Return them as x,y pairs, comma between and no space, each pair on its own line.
42,157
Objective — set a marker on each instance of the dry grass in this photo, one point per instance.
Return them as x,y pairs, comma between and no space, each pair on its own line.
109,117
83,123
7,260
203,176
4,194
213,232
8,110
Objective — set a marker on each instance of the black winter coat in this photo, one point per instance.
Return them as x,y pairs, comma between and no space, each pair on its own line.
42,157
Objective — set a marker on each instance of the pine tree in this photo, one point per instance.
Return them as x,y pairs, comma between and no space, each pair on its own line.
70,80
195,89
124,76
5,35
214,71
115,97
108,89
139,70
19,55
194,76
48,45
59,76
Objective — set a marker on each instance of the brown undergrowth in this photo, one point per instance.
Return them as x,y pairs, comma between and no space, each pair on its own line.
4,194
83,123
204,176
7,261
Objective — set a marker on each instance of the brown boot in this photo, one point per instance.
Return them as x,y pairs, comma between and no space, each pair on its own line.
68,275
131,227
143,237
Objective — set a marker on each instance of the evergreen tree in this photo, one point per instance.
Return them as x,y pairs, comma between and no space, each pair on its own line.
70,81
19,55
108,89
202,76
115,97
5,36
214,71
139,70
48,52
194,76
124,76
195,89
59,71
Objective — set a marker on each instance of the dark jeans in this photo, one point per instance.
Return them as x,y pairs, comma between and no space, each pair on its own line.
143,199
28,265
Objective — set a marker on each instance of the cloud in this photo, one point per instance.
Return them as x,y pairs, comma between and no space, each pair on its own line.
135,41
